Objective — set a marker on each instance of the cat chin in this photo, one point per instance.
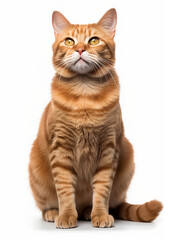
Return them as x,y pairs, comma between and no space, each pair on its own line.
81,67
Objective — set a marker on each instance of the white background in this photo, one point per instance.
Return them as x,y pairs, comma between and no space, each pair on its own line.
26,36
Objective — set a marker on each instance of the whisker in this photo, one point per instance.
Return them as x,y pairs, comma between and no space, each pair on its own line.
98,67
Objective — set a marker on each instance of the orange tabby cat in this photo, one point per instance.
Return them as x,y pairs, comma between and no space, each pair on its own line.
81,163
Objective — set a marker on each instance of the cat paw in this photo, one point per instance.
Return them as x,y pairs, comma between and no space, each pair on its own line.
66,221
50,215
103,221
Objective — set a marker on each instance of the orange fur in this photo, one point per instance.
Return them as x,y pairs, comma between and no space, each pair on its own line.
81,163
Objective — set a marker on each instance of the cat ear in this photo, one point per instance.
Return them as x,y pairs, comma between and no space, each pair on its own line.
59,22
108,21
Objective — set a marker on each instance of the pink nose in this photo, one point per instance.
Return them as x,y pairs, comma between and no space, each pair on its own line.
80,50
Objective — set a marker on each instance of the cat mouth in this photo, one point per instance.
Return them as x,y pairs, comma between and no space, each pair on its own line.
81,60
81,66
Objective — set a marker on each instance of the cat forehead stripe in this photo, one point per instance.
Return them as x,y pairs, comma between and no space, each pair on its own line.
82,32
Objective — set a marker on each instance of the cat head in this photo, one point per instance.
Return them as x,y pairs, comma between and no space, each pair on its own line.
84,49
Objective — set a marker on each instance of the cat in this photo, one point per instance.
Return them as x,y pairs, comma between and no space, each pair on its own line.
81,163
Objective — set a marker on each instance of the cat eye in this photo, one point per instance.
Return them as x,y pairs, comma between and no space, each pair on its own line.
94,41
69,42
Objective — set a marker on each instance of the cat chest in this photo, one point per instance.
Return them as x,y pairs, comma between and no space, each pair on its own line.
86,152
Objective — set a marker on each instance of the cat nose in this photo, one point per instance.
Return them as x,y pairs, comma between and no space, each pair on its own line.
80,50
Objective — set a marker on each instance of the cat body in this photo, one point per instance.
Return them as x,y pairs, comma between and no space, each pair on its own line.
81,163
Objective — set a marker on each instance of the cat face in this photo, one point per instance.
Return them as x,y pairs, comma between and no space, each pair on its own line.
83,49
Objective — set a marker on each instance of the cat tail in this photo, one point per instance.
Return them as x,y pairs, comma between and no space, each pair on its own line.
146,212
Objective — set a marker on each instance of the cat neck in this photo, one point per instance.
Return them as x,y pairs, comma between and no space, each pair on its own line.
85,92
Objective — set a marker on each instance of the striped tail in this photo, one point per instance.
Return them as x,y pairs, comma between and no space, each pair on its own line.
146,212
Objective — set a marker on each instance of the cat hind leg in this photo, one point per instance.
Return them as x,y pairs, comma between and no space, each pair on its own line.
50,215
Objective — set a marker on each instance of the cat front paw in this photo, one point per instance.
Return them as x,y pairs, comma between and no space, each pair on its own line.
102,221
66,221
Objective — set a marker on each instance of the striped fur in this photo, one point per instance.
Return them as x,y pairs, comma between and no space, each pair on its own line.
146,212
81,163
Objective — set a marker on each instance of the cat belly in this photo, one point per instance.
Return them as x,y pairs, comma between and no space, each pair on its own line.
86,171
83,196
86,155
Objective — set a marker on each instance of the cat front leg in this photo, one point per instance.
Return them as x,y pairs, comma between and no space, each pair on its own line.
64,177
102,184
